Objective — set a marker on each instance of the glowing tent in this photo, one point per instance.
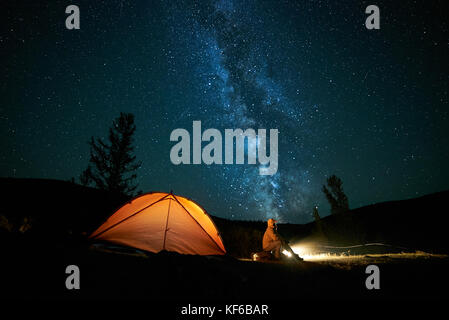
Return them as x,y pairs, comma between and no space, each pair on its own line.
162,221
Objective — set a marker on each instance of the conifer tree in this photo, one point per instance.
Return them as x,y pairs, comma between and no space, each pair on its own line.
335,195
112,165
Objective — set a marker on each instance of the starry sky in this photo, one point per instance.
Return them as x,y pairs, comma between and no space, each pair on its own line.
370,106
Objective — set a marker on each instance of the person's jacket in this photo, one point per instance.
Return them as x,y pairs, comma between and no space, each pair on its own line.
270,236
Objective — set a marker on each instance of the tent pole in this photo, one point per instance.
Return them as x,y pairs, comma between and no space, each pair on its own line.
141,210
210,237
166,223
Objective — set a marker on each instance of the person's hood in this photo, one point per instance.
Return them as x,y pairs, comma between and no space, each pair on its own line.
271,223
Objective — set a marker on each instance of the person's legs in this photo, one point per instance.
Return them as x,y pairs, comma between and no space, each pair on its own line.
274,246
277,249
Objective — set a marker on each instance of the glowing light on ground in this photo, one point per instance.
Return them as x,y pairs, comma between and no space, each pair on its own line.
305,252
309,253
288,254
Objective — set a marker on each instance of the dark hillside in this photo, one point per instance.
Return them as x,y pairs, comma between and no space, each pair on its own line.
417,223
52,209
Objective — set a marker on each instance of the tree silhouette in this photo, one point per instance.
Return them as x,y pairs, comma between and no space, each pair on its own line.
112,165
336,197
316,215
318,224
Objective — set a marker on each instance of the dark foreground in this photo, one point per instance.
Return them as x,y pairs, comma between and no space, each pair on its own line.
43,233
38,271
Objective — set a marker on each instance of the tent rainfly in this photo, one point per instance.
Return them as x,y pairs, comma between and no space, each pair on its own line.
162,221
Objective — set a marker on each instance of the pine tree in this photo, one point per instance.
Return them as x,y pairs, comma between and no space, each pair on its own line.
318,224
112,165
336,196
316,215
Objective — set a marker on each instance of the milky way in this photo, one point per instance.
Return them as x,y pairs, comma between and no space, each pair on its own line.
239,93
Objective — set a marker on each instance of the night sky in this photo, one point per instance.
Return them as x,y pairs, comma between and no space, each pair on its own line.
370,106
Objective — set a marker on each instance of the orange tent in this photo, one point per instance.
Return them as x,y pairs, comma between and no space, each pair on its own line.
162,221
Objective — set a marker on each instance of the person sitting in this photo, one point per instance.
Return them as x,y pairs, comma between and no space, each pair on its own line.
272,242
